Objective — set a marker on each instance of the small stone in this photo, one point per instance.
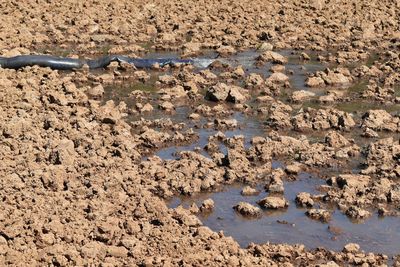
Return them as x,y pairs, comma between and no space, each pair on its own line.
207,205
351,248
300,96
357,213
194,208
249,191
265,98
194,116
146,108
315,82
304,56
226,50
235,96
168,106
273,202
353,180
254,80
277,68
218,92
293,168
319,214
304,199
265,47
275,184
270,56
64,153
141,75
278,78
246,209
369,133
220,123
336,140
92,249
239,72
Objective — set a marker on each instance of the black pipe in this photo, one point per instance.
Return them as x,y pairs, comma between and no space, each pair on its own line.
60,63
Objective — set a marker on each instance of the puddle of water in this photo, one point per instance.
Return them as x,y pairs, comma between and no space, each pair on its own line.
375,234
249,127
379,235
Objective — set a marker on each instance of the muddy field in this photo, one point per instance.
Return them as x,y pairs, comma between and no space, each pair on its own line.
284,151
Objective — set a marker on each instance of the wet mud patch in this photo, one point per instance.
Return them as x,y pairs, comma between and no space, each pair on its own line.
291,225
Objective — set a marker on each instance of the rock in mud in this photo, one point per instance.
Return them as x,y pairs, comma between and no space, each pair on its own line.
336,140
315,82
207,205
117,251
273,202
167,106
294,168
332,96
380,120
246,209
238,72
304,199
322,119
226,50
369,133
270,56
191,49
236,95
277,78
275,184
173,92
277,68
328,264
336,77
357,213
279,115
141,75
300,96
249,191
382,158
319,214
218,92
265,47
373,91
353,180
194,116
221,123
146,108
254,80
304,56
194,208
351,248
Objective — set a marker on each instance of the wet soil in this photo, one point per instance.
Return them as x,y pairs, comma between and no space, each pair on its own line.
301,104
376,234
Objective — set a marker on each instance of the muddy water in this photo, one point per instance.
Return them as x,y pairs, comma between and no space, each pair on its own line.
249,127
375,234
381,235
